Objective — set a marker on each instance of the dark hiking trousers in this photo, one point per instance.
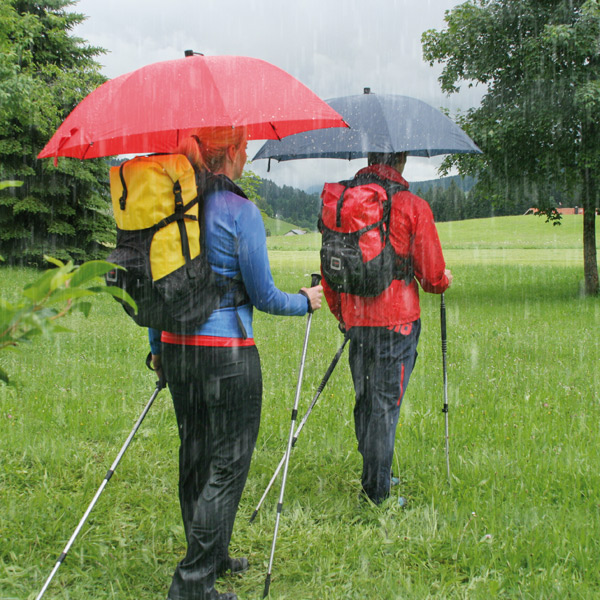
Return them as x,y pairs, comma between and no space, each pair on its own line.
217,395
381,361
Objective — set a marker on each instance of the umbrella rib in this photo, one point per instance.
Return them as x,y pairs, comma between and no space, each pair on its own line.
86,151
274,130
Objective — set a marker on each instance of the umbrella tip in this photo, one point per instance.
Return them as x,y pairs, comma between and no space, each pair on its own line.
191,53
367,90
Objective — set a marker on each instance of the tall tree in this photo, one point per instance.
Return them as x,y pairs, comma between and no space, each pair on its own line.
539,120
45,71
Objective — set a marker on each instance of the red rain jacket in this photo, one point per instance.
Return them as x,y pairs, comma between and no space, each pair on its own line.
412,231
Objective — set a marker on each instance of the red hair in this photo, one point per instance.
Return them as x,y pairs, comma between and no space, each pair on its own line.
207,148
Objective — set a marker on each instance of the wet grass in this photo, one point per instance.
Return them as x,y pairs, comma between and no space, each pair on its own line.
501,239
277,226
521,518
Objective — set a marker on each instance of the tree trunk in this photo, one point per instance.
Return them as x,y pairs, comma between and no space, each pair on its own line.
590,262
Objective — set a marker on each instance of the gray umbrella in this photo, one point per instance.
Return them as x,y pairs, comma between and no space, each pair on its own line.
378,123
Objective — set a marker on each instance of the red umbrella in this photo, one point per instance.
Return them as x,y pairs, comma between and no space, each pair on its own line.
152,108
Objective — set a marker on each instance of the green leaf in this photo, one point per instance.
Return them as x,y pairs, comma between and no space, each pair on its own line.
90,270
5,184
61,329
6,306
84,307
50,280
63,295
119,293
3,376
38,289
54,261
61,276
26,337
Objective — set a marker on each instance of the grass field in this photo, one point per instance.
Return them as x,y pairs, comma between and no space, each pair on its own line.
520,519
278,227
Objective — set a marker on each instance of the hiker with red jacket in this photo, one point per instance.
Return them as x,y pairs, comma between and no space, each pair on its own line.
384,328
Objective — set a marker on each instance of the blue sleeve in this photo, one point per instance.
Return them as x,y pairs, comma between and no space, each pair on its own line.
256,271
154,337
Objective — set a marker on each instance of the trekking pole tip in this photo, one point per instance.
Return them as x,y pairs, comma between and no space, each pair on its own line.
267,585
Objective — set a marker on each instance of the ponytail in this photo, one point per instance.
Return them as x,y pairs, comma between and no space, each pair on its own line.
207,148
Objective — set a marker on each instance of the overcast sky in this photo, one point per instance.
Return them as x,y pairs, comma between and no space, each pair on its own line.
335,47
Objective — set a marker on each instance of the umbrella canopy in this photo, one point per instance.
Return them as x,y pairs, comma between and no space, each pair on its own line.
378,123
152,108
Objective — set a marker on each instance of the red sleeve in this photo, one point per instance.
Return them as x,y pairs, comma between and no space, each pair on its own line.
413,232
334,300
429,264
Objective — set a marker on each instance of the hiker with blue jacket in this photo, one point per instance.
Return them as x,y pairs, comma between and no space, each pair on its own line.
384,326
214,373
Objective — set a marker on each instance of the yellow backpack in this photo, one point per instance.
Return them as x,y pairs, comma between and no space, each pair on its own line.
158,208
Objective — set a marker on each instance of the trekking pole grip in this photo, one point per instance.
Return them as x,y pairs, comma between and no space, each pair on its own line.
443,322
314,280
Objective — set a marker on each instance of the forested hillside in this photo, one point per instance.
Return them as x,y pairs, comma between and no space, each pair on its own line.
290,204
450,199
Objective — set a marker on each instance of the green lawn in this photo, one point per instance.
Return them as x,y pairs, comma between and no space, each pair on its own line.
521,518
530,232
277,226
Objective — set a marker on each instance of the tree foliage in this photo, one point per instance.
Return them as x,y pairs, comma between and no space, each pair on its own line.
539,121
290,204
45,71
453,203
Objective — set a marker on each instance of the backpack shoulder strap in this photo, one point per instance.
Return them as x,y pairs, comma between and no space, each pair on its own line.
391,187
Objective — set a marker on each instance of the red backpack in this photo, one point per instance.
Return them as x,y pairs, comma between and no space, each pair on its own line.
357,256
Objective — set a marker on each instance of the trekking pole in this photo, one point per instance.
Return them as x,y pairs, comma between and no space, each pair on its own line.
445,370
314,281
328,373
159,386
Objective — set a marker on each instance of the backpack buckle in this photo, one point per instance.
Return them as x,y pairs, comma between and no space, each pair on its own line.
178,197
111,276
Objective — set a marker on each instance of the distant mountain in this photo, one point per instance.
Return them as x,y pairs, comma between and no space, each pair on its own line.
463,183
314,189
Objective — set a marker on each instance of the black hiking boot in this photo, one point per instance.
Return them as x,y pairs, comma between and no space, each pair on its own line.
234,566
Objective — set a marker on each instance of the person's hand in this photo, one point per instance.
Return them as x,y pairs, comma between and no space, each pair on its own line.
448,274
156,362
314,295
